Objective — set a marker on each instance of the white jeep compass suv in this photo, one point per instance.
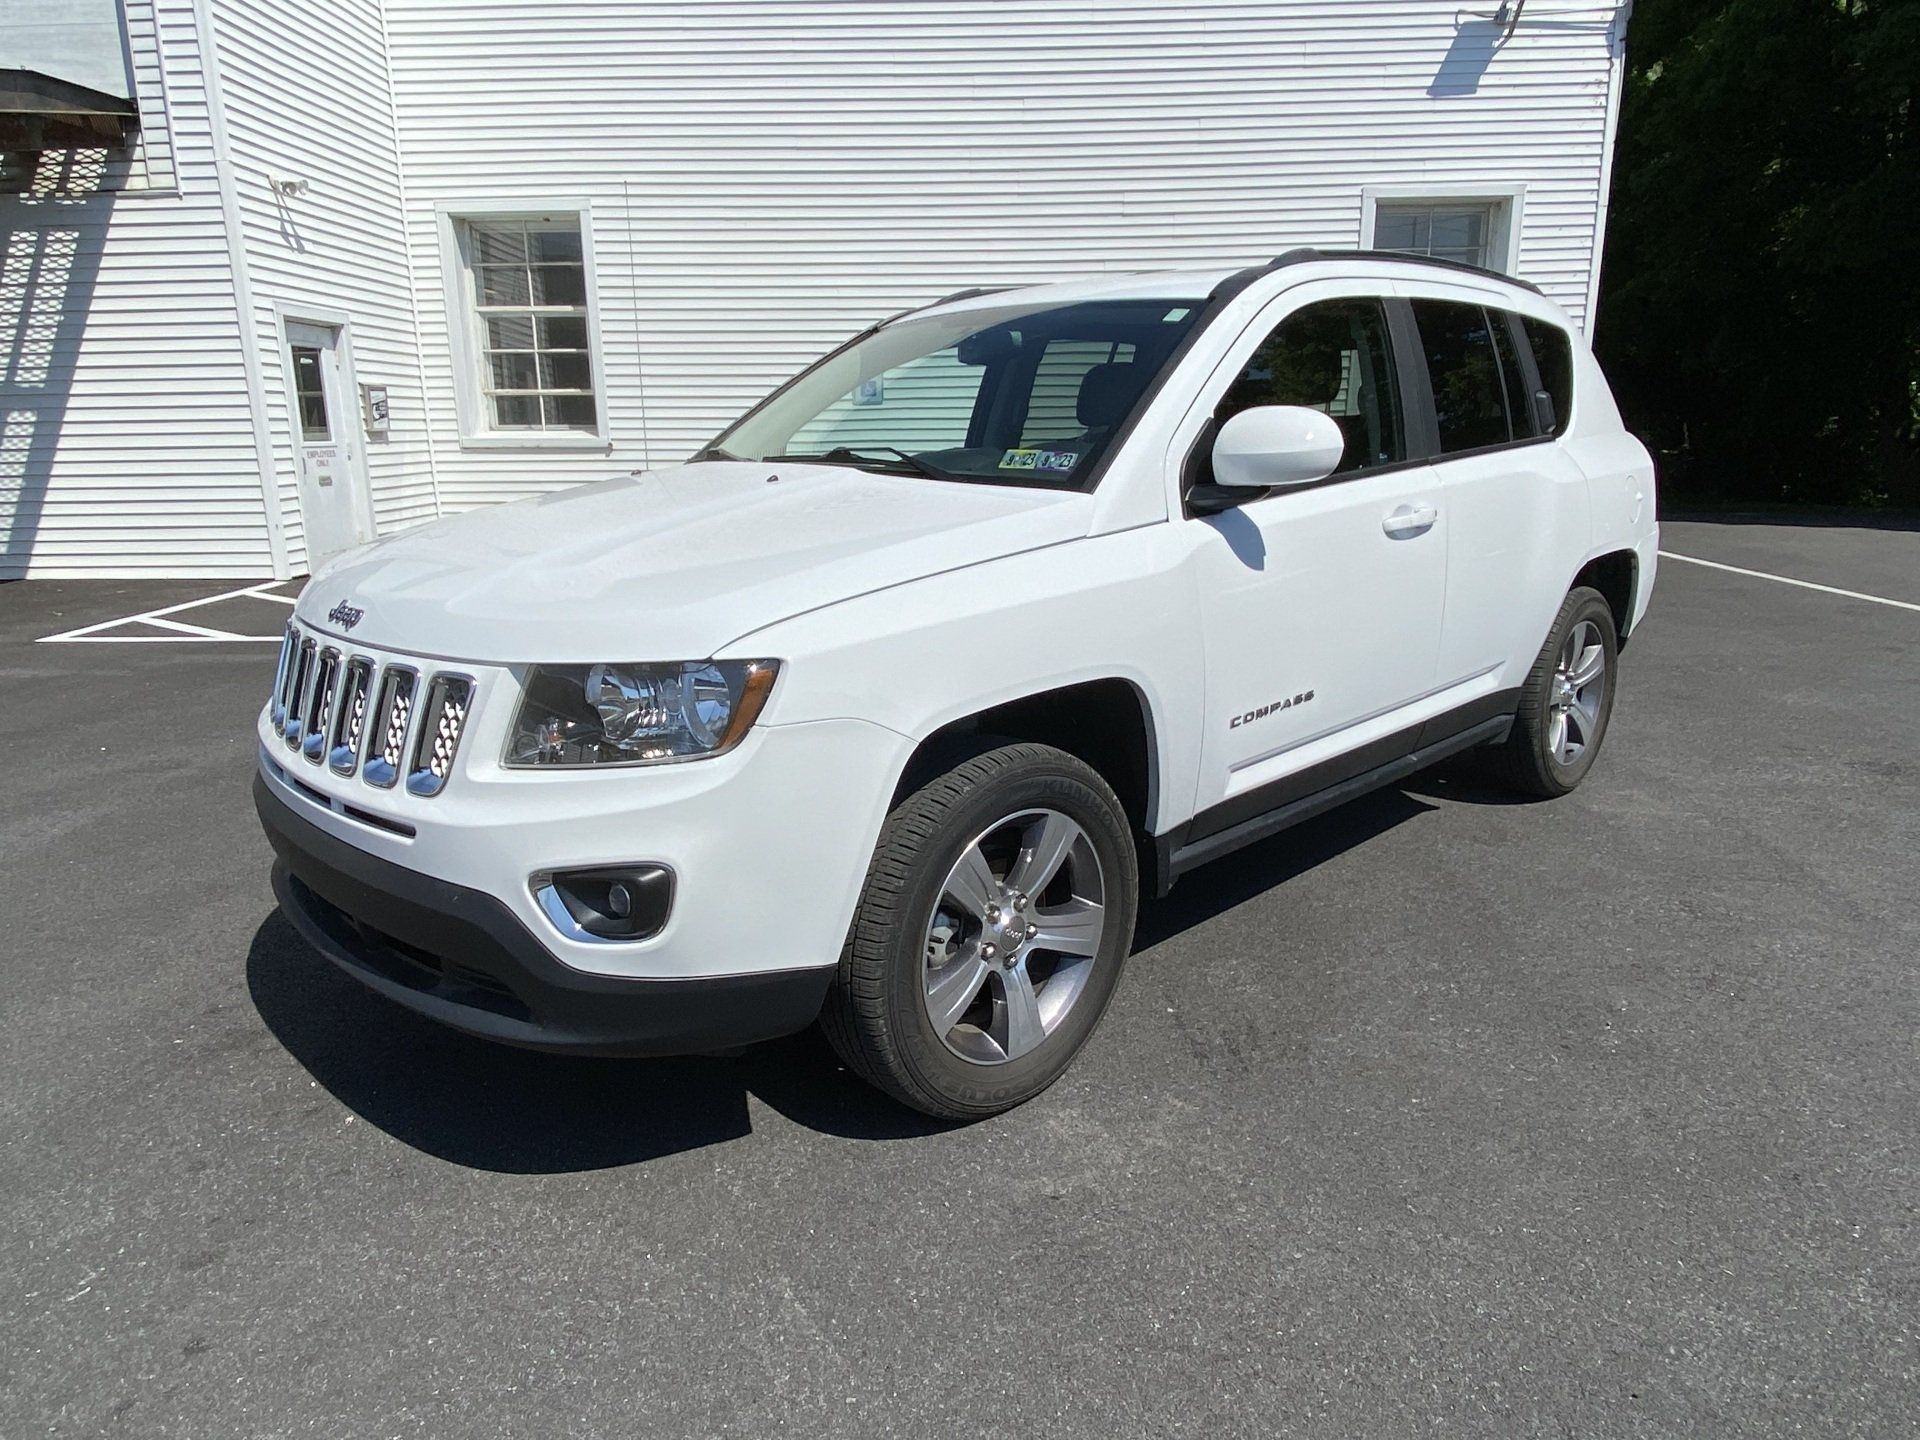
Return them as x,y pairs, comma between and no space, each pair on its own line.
883,708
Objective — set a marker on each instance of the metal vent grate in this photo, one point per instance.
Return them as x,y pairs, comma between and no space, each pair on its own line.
350,716
394,715
283,676
353,712
445,718
302,675
319,706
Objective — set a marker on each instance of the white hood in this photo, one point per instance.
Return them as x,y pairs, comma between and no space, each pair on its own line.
672,564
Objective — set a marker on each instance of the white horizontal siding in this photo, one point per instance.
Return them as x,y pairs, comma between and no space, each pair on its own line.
768,176
305,95
764,177
126,445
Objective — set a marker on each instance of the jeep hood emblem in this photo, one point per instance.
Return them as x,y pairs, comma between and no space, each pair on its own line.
344,615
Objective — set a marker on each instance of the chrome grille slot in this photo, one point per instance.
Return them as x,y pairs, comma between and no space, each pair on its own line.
319,710
444,718
283,675
393,714
350,716
290,728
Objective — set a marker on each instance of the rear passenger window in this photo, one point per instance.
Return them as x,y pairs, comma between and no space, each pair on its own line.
1553,358
1513,379
1333,357
1469,397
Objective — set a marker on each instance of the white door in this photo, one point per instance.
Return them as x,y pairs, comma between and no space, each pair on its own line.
1321,603
327,445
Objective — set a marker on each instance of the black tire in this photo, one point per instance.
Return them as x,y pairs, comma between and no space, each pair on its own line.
876,1014
1526,761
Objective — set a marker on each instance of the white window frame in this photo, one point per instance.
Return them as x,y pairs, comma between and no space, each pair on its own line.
477,431
1506,201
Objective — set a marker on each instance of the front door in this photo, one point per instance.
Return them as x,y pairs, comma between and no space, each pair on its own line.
327,447
1322,603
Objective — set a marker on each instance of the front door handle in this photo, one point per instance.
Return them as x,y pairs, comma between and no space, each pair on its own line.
1407,521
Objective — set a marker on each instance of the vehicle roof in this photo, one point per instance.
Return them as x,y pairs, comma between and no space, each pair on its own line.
1201,284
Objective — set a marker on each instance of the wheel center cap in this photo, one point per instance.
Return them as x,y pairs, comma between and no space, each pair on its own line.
1009,930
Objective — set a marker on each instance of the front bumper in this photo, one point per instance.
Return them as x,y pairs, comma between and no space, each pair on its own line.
461,957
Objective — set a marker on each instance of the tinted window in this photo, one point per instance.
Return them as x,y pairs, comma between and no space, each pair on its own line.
1332,357
1553,358
1469,401
1513,379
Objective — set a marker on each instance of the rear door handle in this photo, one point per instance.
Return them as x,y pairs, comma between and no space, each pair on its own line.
1407,521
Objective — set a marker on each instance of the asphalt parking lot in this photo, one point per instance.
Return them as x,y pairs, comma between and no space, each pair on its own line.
1438,1115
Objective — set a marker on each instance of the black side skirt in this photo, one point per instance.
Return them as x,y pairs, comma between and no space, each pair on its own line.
1226,827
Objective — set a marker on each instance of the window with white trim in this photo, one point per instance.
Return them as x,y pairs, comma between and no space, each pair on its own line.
1447,230
526,280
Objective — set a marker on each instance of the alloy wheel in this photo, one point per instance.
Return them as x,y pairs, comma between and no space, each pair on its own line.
1579,692
1014,936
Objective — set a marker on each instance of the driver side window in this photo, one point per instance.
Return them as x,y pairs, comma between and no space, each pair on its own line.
1333,356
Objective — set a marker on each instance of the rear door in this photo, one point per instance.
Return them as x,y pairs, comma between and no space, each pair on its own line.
1321,604
1516,504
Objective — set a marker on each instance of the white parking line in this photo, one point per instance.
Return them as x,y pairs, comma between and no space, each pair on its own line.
188,633
1789,580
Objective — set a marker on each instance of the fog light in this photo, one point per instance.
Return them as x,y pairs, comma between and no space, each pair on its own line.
607,904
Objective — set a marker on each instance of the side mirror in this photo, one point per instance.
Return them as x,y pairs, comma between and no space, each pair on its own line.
1276,445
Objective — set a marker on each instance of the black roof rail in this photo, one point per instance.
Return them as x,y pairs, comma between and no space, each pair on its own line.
1305,253
973,293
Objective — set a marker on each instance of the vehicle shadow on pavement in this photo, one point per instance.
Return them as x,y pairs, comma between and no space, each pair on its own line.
497,1108
1237,878
492,1107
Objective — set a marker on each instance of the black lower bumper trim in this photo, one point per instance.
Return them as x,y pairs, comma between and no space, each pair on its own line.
463,958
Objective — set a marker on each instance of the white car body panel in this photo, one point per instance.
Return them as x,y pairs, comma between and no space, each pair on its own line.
671,564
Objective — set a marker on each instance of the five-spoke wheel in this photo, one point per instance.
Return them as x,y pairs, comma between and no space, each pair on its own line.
996,917
1014,936
1566,701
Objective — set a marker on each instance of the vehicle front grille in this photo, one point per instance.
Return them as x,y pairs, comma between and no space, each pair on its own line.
361,713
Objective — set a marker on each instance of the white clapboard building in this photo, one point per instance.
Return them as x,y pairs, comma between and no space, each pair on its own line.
277,276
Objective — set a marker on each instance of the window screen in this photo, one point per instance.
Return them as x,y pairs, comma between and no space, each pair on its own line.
1469,401
1553,358
529,290
1446,232
1333,356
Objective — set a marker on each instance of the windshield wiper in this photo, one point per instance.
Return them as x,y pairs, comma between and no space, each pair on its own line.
851,455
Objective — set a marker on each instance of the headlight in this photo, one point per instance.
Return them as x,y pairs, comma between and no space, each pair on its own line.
640,714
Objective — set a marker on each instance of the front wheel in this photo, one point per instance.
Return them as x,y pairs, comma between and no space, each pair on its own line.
997,914
1566,701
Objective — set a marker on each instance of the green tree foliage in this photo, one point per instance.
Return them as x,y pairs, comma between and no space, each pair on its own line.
1760,311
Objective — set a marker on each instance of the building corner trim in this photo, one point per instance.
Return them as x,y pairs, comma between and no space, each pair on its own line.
1616,85
242,289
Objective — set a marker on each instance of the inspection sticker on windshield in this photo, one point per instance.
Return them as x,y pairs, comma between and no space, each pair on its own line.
1039,460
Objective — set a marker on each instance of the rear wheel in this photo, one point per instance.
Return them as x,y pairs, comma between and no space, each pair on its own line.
1566,701
997,914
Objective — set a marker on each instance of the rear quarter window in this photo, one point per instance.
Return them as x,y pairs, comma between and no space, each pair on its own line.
1553,358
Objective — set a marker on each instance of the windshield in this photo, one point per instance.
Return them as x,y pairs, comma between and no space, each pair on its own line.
1009,394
